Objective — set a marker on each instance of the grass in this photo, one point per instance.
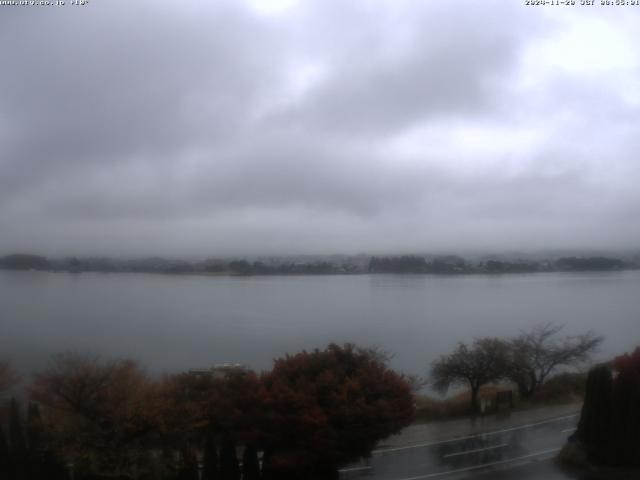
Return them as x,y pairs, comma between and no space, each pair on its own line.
562,389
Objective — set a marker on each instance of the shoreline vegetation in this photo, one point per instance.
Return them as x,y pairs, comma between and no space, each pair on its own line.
325,265
132,426
311,413
564,388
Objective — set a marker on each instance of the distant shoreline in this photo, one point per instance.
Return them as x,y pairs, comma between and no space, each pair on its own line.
450,265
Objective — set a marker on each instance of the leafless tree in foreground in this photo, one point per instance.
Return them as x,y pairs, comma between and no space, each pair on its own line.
482,363
535,354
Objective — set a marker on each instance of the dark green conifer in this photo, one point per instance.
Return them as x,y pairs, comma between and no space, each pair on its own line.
229,468
250,464
16,433
210,458
34,428
595,421
4,455
625,421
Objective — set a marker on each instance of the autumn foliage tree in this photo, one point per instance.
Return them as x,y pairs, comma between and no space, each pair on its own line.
329,407
97,412
182,412
312,413
212,414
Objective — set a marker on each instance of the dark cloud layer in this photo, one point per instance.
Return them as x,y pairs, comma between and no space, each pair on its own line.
227,127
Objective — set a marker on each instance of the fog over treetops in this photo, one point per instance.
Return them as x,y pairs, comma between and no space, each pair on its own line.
255,127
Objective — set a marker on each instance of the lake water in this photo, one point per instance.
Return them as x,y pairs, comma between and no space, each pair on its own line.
171,323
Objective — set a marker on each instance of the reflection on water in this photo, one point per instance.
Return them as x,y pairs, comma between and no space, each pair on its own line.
178,322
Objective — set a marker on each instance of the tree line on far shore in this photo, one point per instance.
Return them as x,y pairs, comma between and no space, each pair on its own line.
321,265
453,264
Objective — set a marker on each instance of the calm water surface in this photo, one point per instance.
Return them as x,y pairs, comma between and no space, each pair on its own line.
178,322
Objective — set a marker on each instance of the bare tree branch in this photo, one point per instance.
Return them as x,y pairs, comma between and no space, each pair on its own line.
484,362
535,354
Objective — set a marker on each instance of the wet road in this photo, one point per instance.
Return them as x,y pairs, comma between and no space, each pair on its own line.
518,452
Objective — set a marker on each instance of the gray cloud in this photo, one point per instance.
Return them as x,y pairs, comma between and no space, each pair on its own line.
330,126
451,61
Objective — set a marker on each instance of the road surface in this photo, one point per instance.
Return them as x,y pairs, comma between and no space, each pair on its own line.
518,452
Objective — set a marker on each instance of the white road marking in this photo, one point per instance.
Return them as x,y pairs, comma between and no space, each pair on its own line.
353,469
382,451
492,447
484,465
569,430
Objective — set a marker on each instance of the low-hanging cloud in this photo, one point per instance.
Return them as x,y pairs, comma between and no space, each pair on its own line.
198,129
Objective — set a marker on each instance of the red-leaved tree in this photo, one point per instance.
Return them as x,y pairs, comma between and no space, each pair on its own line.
329,407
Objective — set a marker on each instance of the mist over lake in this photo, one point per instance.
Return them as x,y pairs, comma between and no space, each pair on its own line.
173,322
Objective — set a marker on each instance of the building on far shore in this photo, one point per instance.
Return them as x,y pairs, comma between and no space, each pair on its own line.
219,370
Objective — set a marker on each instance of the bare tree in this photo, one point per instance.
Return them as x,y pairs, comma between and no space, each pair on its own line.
378,353
416,382
484,362
8,377
535,354
97,412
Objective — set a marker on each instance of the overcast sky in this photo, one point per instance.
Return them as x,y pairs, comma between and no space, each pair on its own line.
226,128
